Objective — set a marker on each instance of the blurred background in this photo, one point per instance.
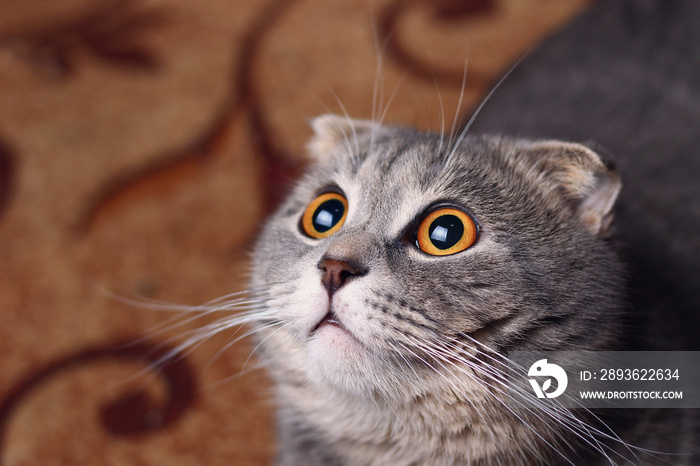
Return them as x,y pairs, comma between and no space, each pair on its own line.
142,144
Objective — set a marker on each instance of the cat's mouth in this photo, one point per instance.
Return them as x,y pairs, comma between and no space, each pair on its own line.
330,319
331,322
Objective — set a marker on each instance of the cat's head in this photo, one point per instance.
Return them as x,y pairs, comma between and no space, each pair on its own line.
400,246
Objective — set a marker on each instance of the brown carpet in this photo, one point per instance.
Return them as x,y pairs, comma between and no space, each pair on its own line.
141,145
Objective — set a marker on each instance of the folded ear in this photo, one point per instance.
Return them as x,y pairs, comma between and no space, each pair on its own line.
334,131
587,183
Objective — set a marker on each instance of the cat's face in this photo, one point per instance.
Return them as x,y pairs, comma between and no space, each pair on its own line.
388,263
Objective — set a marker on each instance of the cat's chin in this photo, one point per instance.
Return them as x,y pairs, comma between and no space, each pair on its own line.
338,359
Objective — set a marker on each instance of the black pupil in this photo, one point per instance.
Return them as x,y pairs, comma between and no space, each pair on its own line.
446,231
327,215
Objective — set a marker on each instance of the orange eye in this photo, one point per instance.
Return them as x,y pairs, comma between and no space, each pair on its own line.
446,231
325,215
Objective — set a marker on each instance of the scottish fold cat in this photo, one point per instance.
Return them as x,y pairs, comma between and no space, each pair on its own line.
402,269
405,266
390,286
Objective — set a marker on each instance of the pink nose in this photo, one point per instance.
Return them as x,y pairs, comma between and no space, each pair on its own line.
337,272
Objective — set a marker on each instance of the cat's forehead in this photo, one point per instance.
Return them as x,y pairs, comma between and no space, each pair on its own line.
390,178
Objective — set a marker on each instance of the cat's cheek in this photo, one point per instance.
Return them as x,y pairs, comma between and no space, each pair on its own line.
350,310
308,305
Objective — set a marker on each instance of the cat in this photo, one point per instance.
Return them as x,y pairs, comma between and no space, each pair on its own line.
388,289
386,340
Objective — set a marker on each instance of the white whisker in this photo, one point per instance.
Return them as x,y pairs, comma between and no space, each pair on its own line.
480,107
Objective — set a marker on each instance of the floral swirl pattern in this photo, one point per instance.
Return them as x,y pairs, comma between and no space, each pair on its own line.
112,32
